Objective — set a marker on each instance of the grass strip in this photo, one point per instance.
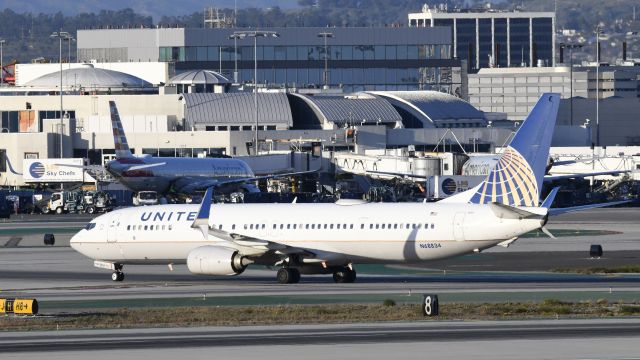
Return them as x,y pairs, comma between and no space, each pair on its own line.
388,310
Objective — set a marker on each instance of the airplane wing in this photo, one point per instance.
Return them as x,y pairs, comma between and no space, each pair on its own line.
248,245
257,178
190,185
549,178
403,175
558,211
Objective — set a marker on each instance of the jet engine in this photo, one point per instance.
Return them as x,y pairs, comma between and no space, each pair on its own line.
216,260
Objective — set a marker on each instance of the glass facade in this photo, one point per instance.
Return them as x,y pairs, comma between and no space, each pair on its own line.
306,53
500,41
484,43
511,40
519,37
466,41
543,40
352,67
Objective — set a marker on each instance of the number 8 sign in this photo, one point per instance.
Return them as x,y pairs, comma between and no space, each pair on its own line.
430,305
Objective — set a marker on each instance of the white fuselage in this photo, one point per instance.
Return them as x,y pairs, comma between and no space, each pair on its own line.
363,233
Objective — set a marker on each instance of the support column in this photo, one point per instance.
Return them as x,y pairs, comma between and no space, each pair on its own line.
493,43
553,41
531,59
477,43
455,38
508,42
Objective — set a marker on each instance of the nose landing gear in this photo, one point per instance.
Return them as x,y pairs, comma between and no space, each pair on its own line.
117,275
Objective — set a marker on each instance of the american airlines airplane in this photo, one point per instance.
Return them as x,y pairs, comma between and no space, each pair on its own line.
223,239
179,174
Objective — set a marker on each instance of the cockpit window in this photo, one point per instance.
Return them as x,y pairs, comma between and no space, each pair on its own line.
90,226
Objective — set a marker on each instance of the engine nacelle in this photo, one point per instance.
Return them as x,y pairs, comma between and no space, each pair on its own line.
215,260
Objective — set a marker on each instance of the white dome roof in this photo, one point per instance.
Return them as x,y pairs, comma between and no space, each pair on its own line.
193,77
89,77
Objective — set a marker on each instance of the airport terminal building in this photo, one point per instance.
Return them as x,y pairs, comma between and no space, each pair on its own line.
493,38
358,59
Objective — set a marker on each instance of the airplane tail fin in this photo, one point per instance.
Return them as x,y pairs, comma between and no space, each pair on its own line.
119,138
517,177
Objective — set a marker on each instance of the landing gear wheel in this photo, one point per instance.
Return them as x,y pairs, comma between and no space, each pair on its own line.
344,275
296,275
117,276
288,276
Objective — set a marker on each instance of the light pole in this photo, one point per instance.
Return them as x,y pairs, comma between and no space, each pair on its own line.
69,39
571,47
62,35
255,34
598,31
326,35
235,37
2,41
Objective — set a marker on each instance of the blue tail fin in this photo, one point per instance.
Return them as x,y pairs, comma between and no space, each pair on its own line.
120,140
517,177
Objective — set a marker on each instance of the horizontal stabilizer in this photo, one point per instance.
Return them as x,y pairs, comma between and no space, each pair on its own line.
509,212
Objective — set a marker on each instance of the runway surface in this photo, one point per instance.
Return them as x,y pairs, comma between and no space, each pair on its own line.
64,281
550,339
55,275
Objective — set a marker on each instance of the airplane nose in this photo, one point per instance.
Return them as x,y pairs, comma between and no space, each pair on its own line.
75,240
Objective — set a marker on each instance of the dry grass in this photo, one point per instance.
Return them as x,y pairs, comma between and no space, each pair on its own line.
309,314
626,269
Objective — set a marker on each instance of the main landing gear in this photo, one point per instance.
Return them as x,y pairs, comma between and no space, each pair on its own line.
341,274
117,275
288,275
344,274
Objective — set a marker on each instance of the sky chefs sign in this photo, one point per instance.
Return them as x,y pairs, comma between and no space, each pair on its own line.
52,170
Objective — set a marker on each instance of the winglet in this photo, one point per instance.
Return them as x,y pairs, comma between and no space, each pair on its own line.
549,199
202,220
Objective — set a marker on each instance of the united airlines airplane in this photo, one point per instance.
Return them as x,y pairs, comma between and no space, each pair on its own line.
223,239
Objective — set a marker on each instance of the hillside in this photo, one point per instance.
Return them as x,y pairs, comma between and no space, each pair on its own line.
27,30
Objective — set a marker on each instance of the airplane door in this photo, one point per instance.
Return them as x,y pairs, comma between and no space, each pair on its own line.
458,226
112,230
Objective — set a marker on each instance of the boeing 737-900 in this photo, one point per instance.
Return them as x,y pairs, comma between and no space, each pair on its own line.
223,239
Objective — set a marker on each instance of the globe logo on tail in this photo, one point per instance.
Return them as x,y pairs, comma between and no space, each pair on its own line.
511,182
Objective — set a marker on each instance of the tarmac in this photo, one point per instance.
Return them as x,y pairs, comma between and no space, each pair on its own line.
64,281
537,339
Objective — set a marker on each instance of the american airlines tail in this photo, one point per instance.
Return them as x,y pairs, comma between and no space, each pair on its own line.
120,140
516,179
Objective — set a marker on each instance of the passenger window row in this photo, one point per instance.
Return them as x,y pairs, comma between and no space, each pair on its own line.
377,226
371,226
148,227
